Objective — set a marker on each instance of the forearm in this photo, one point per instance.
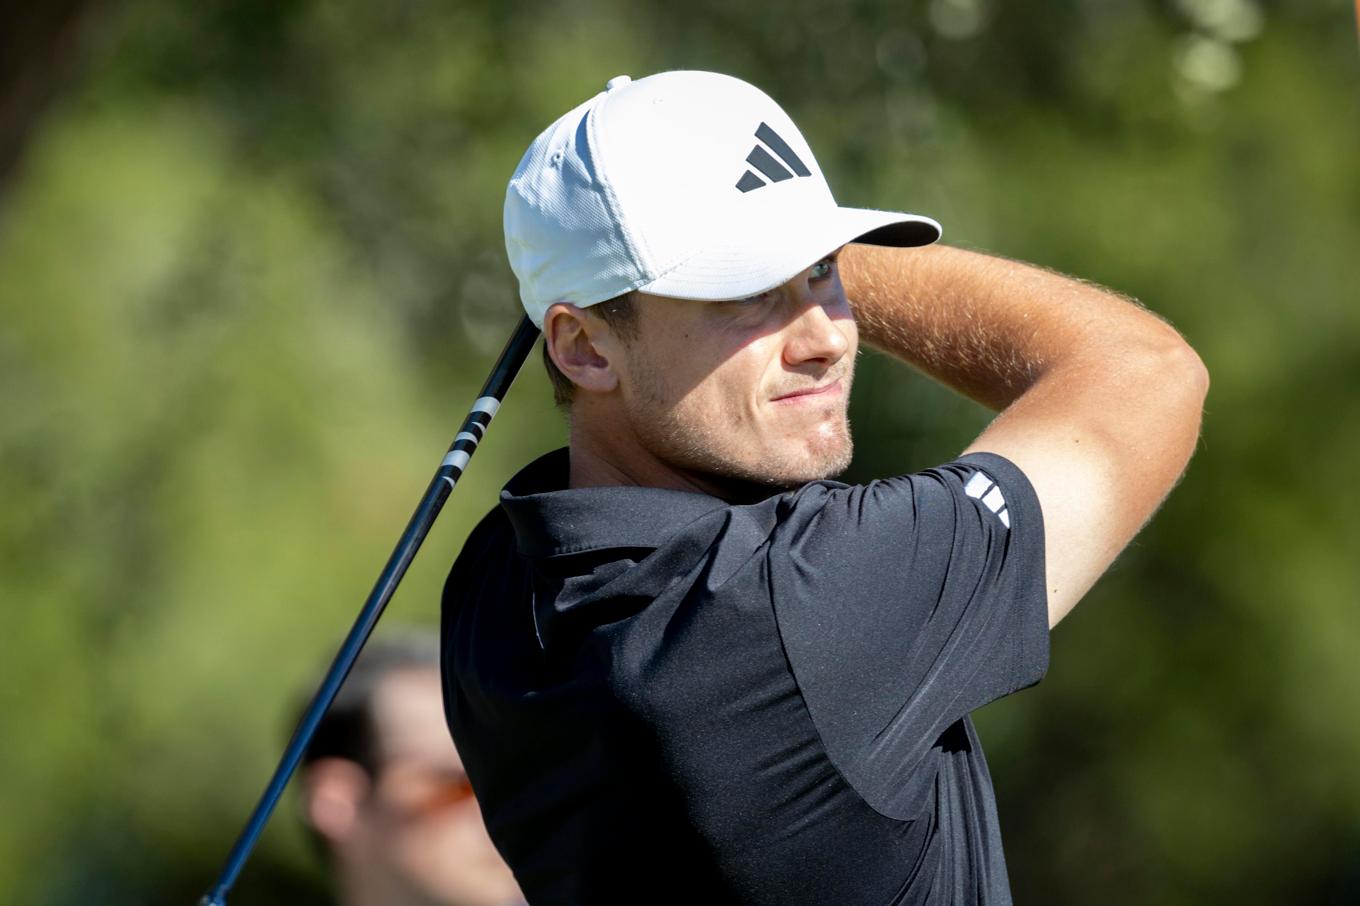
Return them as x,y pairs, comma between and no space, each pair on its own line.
988,327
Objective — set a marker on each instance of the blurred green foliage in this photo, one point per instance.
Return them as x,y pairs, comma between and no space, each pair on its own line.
251,275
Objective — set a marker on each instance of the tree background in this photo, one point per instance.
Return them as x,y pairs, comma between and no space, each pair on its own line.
251,275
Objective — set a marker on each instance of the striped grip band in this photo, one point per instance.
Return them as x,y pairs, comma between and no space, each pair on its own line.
466,442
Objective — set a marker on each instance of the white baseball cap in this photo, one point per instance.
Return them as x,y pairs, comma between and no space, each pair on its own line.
692,185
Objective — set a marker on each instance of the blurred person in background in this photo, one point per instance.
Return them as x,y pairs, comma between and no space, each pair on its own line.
383,789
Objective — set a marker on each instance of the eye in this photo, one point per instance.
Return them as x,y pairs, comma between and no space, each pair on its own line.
823,269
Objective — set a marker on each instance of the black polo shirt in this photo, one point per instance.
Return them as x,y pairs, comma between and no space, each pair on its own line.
663,698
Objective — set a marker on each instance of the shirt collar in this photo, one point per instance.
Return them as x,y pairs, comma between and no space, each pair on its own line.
551,519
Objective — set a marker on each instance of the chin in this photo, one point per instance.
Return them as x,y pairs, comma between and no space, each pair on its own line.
814,465
822,472
829,459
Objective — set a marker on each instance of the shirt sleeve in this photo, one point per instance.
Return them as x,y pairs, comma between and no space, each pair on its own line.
906,603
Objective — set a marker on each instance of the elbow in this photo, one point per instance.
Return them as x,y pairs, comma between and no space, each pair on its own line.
1165,383
1184,367
1179,381
1172,366
1194,381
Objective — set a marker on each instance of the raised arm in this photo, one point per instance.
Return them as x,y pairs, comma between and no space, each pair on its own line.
1100,400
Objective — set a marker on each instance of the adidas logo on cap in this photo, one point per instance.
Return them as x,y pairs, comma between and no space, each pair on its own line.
762,160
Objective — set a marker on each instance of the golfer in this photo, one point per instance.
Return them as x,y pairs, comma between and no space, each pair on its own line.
682,663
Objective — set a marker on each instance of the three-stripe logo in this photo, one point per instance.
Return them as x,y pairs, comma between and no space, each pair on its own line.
981,487
761,159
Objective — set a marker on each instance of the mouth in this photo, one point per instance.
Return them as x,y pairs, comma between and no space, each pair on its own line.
832,388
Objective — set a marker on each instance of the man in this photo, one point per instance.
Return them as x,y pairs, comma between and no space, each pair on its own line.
384,791
684,666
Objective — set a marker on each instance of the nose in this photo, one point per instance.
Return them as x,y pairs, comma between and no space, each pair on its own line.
815,335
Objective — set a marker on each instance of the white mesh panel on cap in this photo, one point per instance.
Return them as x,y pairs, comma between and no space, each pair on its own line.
562,237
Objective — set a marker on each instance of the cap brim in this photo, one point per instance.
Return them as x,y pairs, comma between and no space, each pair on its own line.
749,259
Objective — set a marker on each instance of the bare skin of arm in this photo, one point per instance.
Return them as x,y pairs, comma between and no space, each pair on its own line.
1099,400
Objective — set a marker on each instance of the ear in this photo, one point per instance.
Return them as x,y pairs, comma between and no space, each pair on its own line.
582,347
332,791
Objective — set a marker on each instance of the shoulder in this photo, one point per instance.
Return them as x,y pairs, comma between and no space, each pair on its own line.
491,541
493,531
977,481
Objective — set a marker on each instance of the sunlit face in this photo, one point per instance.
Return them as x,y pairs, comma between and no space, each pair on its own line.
420,825
747,392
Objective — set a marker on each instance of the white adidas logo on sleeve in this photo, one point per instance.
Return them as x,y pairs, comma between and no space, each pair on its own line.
981,487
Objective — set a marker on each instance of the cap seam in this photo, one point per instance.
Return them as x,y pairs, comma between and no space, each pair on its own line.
640,258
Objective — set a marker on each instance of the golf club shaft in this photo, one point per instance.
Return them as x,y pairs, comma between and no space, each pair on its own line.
443,483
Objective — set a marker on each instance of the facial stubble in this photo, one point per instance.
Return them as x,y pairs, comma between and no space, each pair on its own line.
708,447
